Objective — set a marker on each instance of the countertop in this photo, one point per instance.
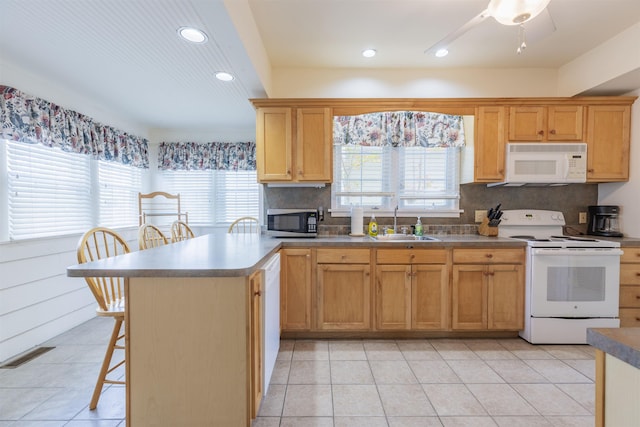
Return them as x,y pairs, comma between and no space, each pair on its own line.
622,343
230,255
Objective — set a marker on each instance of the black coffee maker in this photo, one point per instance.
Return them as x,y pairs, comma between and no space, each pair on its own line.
603,221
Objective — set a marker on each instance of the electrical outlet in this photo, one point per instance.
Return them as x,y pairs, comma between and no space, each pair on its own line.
480,215
582,218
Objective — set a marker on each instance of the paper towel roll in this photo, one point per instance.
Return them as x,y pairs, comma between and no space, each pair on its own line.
356,220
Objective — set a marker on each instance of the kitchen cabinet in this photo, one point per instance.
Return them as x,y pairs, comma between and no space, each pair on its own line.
630,288
343,289
412,289
489,147
487,289
546,123
256,285
294,144
608,142
295,289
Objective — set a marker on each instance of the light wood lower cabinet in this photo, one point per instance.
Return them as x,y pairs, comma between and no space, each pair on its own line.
411,289
256,285
630,287
295,289
488,289
343,289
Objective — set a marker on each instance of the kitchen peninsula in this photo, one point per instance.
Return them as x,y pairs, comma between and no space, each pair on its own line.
193,310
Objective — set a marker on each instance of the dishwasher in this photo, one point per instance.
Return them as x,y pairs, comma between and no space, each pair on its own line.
271,316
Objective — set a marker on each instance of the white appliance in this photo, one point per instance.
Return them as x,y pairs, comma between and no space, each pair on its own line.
545,164
271,317
572,283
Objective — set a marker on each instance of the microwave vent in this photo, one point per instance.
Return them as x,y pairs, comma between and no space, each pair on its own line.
548,148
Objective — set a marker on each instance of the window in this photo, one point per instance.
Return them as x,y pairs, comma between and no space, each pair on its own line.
215,196
119,188
418,180
49,191
52,192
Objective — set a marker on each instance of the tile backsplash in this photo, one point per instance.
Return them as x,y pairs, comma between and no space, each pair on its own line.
570,200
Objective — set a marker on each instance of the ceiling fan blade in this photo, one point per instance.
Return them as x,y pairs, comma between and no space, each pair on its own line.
459,32
540,27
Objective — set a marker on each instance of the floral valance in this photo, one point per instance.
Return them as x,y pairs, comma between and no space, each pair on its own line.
33,120
207,156
399,129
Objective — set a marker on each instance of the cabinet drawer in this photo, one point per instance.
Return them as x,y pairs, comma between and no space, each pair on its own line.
630,274
488,256
630,317
630,296
342,256
630,255
411,256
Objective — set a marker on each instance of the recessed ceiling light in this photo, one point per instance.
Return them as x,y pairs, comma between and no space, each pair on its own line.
369,53
225,77
440,53
193,35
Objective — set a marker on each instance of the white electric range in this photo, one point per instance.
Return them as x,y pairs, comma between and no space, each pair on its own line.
572,282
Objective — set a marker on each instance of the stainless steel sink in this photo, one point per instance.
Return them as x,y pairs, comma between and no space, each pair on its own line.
403,238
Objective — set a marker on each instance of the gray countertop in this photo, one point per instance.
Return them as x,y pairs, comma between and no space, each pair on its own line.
228,255
622,343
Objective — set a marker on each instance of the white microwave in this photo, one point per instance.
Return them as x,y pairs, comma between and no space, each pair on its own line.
545,163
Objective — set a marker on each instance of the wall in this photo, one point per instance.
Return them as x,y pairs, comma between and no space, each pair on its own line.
625,194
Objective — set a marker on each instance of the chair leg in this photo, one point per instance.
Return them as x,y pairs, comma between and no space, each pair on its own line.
106,363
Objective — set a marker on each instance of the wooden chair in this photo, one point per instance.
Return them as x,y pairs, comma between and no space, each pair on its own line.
246,224
180,231
99,243
150,236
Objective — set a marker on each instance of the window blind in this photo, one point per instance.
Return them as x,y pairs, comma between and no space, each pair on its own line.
237,194
196,193
49,191
119,187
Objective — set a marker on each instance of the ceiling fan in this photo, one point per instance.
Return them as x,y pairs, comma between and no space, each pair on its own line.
506,12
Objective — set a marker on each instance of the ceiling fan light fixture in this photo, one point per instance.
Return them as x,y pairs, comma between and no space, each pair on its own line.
515,12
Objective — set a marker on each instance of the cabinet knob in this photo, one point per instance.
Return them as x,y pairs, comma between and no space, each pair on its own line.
489,255
590,170
257,293
552,131
637,296
638,273
540,132
637,319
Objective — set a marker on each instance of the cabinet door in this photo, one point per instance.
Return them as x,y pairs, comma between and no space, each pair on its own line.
429,297
393,297
565,123
256,283
489,150
469,297
527,123
608,133
314,145
295,289
344,296
505,296
273,144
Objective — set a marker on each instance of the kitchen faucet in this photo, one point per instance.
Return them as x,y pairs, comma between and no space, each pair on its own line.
395,219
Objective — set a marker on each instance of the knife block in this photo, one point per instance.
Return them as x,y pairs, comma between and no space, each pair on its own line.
486,230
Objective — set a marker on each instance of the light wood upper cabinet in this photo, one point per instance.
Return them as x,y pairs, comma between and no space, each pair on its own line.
489,147
488,289
295,289
546,123
294,144
608,141
343,289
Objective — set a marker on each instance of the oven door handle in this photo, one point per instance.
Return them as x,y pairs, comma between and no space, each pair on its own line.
576,252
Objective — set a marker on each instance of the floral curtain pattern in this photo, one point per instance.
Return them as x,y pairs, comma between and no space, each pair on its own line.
207,156
33,120
399,129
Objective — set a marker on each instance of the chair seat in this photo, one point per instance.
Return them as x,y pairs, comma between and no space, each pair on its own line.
114,308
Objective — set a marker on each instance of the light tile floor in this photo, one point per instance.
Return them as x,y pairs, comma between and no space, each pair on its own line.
434,382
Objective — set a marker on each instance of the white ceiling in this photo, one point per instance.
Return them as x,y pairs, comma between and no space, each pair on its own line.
125,54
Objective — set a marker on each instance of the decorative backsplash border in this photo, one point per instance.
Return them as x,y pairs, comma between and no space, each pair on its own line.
341,230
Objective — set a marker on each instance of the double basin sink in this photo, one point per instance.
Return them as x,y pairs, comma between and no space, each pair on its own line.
403,238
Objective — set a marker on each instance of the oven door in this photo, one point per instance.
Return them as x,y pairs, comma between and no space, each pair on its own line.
574,282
